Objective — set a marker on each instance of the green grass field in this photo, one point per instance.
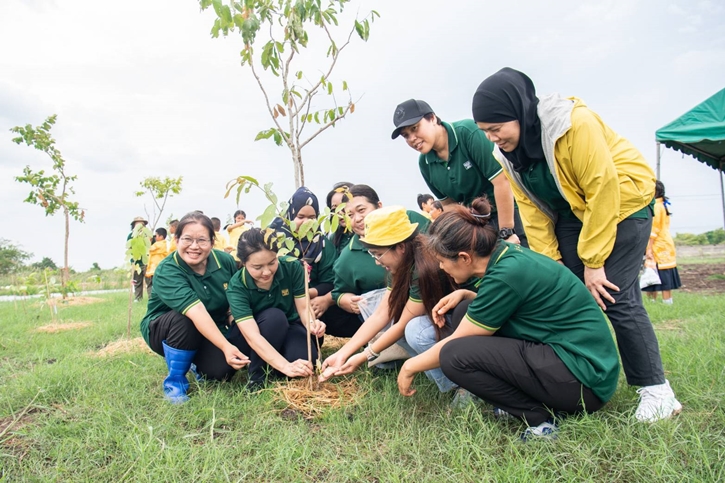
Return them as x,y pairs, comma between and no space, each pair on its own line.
68,415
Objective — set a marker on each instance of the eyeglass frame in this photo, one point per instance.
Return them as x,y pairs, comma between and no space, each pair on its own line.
378,257
188,241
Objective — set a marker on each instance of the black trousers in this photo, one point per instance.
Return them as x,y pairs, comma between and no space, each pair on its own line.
636,339
179,332
339,322
526,379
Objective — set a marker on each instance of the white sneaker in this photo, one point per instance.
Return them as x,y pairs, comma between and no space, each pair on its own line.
546,430
656,403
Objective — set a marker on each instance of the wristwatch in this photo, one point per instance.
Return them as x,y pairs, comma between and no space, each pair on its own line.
504,233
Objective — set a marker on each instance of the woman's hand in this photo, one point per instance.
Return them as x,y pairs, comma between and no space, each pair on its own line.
513,239
350,303
352,364
320,305
335,361
445,304
405,380
596,281
234,357
298,368
317,328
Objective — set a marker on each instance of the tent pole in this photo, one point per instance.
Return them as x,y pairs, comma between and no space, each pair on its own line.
658,160
722,192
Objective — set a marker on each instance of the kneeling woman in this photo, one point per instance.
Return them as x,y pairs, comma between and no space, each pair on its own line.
417,284
553,351
267,300
188,319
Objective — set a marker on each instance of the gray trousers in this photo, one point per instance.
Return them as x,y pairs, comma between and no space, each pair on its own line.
636,339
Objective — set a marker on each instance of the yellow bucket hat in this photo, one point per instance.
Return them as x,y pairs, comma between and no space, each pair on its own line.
387,226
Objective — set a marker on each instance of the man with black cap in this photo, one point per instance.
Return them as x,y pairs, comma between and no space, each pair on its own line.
457,163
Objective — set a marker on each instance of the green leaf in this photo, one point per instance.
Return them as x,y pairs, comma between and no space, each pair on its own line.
344,85
267,216
329,88
278,138
217,7
299,74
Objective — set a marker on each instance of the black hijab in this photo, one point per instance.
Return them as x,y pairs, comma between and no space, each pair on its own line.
509,95
311,251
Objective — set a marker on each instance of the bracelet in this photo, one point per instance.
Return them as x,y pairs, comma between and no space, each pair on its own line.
375,354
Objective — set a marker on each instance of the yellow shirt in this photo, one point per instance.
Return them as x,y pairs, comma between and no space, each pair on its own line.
157,252
663,246
602,176
234,235
221,240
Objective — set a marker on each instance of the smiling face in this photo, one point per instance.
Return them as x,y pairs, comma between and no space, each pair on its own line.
306,213
388,258
357,209
194,245
421,136
505,135
262,266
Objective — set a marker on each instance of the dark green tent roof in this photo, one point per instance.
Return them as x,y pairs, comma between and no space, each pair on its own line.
700,132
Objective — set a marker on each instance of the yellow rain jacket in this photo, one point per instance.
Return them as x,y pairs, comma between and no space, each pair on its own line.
603,177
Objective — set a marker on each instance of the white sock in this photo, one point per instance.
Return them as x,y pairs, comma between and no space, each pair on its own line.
667,301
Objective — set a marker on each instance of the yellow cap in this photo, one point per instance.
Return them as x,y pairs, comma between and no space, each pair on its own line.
387,226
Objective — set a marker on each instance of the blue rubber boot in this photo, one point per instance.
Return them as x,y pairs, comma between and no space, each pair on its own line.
176,384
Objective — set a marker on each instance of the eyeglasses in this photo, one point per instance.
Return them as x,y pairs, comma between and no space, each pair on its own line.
188,241
378,257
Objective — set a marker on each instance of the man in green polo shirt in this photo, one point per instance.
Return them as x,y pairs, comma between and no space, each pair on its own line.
457,163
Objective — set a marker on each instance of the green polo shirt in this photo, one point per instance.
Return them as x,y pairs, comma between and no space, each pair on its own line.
177,287
344,241
356,271
539,180
246,299
470,167
525,295
323,271
414,290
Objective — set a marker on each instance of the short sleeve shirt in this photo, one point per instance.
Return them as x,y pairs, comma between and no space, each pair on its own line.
246,299
177,287
469,170
527,296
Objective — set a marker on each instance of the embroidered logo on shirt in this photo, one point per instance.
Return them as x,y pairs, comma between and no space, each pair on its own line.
285,292
468,165
225,285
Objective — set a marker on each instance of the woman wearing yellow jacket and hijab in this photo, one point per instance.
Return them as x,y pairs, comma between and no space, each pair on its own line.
584,194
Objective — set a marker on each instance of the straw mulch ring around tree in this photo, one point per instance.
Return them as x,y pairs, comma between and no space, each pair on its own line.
61,327
74,301
123,346
311,402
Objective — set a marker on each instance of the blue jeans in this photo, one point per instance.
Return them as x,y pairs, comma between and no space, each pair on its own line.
420,335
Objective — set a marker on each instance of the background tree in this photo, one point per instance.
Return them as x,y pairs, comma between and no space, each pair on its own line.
290,93
50,191
160,191
46,262
12,258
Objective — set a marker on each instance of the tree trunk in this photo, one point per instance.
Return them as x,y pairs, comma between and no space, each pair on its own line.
299,169
64,277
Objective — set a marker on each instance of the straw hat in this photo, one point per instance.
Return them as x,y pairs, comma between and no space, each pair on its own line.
387,226
137,219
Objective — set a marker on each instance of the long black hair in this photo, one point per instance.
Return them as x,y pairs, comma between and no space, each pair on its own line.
660,193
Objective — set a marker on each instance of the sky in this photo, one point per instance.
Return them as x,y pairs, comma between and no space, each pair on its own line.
141,89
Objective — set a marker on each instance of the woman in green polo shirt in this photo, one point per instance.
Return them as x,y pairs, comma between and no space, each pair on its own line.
553,351
415,286
188,319
269,305
457,164
586,194
356,273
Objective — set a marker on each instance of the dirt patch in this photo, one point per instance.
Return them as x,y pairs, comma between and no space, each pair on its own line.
74,301
123,346
12,439
60,327
703,278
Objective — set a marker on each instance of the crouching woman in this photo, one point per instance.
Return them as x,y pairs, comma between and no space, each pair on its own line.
268,303
188,319
552,351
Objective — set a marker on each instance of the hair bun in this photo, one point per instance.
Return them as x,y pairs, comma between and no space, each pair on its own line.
481,210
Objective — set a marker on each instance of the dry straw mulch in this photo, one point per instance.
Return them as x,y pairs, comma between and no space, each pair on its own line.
312,402
123,346
61,327
74,301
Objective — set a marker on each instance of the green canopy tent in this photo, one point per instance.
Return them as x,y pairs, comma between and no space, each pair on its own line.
700,133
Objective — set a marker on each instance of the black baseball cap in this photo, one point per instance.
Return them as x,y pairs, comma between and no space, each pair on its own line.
409,113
